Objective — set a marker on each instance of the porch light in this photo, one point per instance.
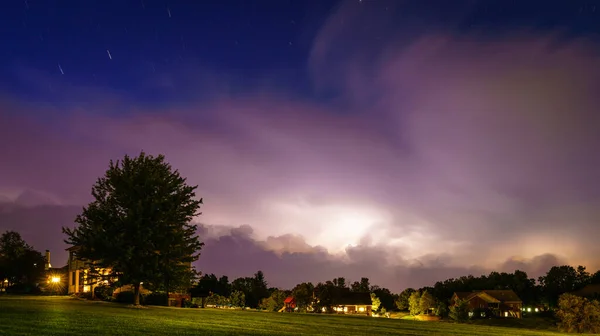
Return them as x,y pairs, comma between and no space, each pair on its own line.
55,279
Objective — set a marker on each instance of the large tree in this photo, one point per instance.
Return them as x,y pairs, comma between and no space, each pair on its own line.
139,224
20,263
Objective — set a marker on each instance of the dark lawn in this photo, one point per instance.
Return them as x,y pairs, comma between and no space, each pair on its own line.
67,316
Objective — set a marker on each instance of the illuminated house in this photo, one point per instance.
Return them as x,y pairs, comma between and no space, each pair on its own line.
346,302
80,280
501,303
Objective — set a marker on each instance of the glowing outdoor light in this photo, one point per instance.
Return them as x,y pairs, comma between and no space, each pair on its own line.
55,279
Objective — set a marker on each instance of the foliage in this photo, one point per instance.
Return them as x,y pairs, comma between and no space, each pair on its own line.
459,311
275,301
237,299
20,264
255,289
217,300
156,299
362,287
324,296
103,292
124,297
414,303
578,315
209,283
386,297
426,302
303,294
139,224
402,300
441,310
562,279
375,302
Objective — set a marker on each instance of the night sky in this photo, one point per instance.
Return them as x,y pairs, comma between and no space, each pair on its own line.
404,141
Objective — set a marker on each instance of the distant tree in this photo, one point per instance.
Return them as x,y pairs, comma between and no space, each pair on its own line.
217,300
20,263
459,311
237,299
340,282
414,303
303,294
363,286
375,302
595,278
275,301
260,286
441,310
578,315
426,302
324,296
402,300
139,223
558,280
386,297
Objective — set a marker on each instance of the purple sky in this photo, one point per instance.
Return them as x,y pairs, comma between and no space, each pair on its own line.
439,155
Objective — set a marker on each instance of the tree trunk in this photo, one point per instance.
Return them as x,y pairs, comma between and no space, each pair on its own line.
136,294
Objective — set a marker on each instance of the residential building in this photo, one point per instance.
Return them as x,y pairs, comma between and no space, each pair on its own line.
500,303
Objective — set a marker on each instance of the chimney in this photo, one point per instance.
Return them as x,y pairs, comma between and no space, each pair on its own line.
48,266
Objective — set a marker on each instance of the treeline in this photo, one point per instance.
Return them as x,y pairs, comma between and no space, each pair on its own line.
21,266
545,291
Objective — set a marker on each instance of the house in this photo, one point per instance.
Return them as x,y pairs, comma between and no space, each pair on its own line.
80,280
344,301
501,303
353,303
591,291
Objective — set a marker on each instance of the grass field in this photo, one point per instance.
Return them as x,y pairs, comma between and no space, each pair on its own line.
67,316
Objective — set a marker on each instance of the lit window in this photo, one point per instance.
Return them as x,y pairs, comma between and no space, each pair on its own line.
536,310
86,289
361,309
529,309
505,314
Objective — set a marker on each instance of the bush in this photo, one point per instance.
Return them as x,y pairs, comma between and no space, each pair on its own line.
459,311
578,315
23,289
104,292
125,297
155,299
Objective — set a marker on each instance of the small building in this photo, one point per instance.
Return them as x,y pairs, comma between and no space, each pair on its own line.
289,304
353,303
501,303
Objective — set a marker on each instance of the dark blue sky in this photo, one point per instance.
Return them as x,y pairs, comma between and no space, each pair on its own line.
243,39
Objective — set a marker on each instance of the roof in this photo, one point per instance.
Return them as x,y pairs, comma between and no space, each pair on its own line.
353,298
289,299
502,295
589,290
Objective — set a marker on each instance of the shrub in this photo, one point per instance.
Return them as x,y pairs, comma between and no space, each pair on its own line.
156,299
578,315
23,289
459,311
125,297
104,292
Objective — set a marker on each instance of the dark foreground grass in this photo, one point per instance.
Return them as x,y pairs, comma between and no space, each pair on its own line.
67,316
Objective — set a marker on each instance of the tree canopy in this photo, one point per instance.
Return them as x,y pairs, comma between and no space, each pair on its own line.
139,224
20,263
